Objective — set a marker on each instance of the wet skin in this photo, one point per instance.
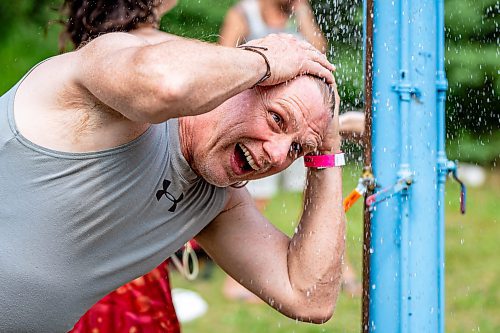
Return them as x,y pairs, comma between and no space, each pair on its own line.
274,125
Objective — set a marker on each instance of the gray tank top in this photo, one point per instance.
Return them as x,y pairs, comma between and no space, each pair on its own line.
75,226
257,27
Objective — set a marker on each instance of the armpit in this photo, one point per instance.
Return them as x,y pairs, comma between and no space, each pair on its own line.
88,113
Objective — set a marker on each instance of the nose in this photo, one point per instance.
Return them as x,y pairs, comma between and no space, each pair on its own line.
277,149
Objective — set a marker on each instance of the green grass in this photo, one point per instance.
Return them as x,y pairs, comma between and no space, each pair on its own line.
472,270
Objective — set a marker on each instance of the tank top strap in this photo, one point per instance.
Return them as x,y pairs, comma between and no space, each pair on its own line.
257,28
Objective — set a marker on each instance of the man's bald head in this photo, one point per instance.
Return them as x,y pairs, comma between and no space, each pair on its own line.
326,90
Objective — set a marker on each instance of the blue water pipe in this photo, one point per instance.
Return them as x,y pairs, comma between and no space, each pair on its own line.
443,169
410,167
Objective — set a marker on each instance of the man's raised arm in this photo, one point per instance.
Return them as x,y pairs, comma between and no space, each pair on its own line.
152,83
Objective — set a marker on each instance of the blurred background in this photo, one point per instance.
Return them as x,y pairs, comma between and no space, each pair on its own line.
29,33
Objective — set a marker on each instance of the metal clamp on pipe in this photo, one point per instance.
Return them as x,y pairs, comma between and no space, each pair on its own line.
406,90
387,193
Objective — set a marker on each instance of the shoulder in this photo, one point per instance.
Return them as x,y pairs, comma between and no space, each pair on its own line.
155,36
111,41
64,66
62,70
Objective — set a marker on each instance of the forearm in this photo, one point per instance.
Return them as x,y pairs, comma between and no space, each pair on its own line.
316,250
177,78
204,82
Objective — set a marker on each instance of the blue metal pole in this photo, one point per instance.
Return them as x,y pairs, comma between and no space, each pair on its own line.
408,148
424,217
404,89
385,257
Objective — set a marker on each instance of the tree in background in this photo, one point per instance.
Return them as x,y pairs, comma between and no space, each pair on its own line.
13,13
23,37
472,65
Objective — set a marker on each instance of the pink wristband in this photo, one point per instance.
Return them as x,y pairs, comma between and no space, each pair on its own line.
324,161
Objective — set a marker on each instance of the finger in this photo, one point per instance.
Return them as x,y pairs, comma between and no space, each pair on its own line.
314,68
320,57
308,46
323,60
325,71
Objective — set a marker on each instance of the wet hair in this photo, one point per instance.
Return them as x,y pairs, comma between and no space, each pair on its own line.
88,19
326,91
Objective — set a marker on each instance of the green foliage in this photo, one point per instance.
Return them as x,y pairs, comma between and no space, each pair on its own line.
483,149
472,62
341,22
197,19
20,12
26,38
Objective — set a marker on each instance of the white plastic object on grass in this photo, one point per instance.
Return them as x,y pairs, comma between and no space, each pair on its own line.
188,304
470,174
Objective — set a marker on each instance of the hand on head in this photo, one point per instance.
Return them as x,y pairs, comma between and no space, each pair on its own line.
301,58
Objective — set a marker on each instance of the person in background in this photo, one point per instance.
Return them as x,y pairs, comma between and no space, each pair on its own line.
144,304
253,19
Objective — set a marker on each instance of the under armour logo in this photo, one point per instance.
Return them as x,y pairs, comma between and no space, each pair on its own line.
168,195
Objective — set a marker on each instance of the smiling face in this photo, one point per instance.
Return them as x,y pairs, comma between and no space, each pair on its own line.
259,132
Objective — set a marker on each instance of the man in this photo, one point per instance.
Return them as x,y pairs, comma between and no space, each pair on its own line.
100,180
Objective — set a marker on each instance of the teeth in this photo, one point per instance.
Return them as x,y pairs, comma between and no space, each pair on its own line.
249,157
